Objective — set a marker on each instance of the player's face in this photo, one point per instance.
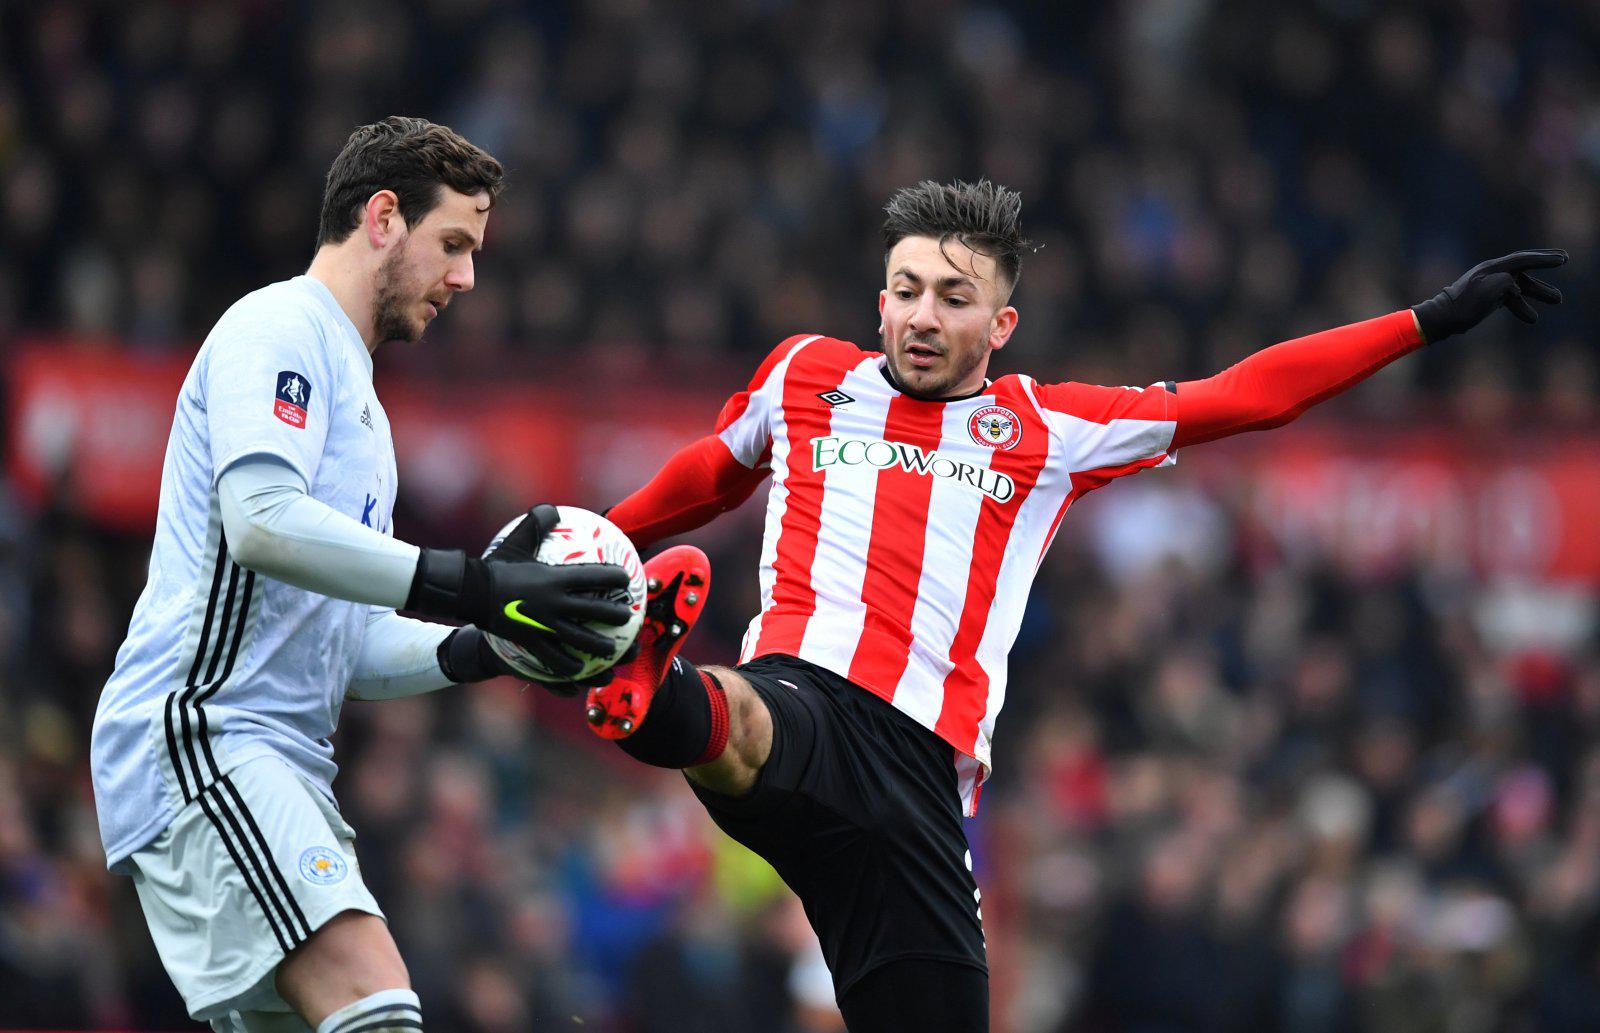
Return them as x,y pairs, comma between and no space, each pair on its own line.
428,265
943,314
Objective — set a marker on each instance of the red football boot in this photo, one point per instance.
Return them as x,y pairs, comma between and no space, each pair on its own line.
677,580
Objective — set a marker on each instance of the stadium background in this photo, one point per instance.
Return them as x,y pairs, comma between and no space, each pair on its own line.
1301,735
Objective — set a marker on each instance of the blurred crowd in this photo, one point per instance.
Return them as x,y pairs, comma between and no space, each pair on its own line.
699,180
1263,791
1238,787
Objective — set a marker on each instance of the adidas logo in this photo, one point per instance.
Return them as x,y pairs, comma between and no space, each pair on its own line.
366,416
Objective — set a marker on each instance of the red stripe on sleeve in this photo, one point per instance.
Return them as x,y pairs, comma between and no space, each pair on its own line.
777,355
1103,404
735,407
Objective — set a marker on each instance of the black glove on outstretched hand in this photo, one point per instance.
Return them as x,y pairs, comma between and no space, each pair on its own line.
508,593
1486,287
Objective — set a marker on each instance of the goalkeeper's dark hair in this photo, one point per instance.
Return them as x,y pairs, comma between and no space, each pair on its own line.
411,156
985,217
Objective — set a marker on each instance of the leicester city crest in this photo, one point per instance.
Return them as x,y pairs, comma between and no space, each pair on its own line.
323,866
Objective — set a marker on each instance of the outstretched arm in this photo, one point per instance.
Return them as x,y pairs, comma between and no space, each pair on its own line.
1276,384
699,483
1273,386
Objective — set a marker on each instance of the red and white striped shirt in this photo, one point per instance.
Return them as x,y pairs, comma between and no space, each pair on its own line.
902,535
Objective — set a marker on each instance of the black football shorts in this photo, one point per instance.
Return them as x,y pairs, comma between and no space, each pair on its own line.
858,810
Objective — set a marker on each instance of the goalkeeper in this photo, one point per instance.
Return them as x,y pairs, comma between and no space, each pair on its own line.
271,599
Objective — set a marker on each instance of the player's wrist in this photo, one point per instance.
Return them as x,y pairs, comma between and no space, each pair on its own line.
449,583
1433,318
465,656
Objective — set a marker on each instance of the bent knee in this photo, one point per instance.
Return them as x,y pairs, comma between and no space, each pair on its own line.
350,958
749,720
749,737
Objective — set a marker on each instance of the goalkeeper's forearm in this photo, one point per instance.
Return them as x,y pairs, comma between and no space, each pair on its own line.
403,657
274,528
399,657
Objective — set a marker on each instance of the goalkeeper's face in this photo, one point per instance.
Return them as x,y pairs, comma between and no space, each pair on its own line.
428,265
943,314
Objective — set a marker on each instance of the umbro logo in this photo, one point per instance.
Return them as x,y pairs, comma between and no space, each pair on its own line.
835,397
366,416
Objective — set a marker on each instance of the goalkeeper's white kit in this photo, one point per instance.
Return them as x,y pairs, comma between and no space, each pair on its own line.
211,763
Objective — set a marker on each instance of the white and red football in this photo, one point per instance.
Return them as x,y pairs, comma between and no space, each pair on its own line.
582,537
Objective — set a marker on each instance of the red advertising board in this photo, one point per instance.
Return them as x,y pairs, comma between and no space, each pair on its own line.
1524,504
93,423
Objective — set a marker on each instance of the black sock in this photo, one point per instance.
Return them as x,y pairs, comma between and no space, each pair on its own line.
686,724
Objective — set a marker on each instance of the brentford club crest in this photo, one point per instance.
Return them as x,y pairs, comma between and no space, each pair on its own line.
995,426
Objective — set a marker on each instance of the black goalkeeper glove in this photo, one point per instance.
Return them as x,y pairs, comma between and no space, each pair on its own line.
466,656
1486,287
510,594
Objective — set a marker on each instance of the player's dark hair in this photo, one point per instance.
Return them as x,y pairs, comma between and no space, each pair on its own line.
985,217
411,156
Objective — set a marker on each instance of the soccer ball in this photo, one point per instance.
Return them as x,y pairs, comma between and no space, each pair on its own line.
582,537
